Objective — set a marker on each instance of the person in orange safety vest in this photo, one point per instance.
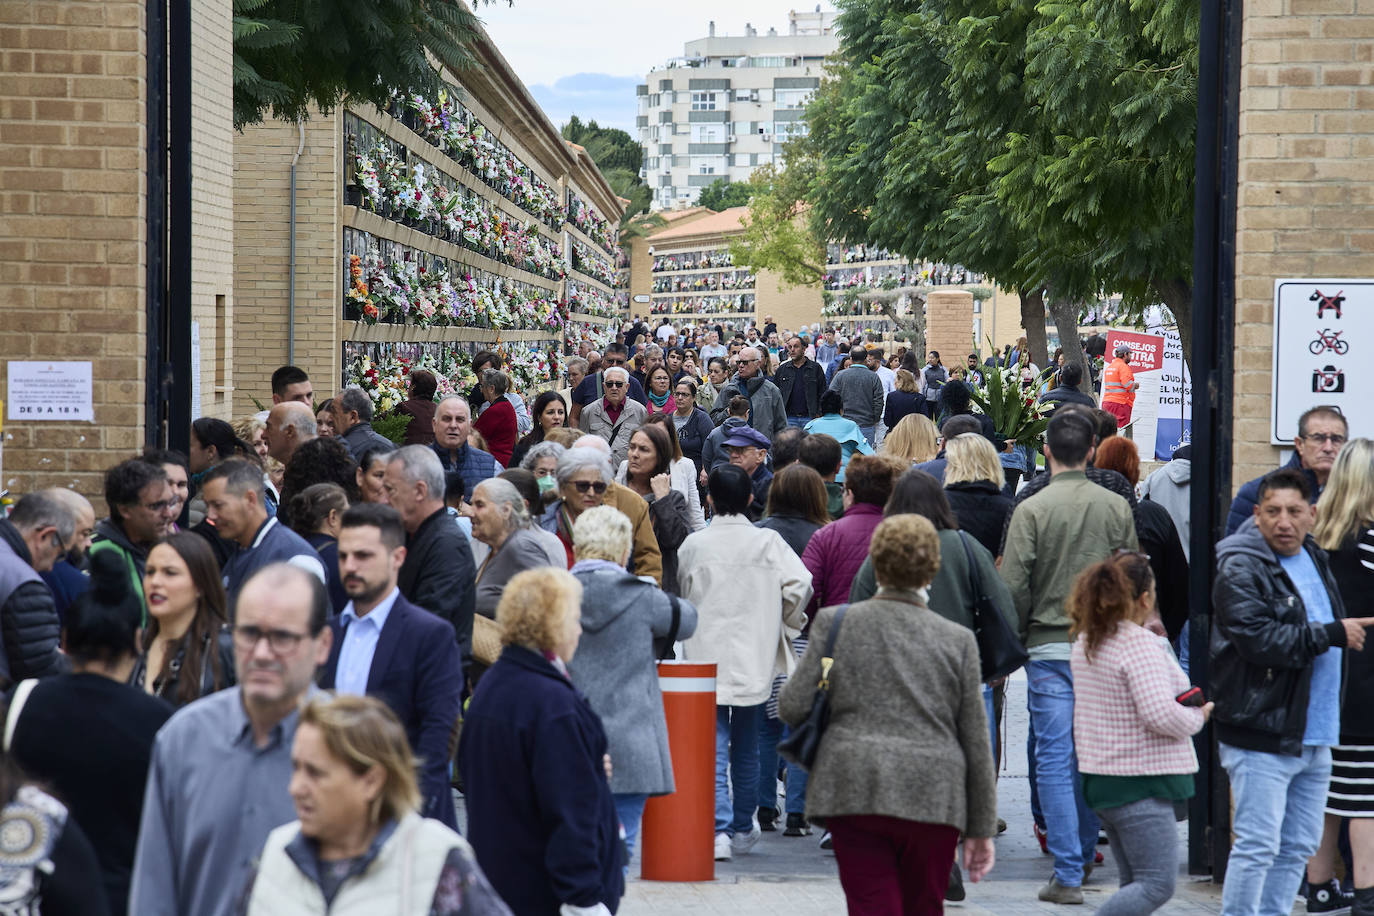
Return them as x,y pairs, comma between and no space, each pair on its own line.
1119,386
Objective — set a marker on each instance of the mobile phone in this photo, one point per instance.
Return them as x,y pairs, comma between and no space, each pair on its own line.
1191,697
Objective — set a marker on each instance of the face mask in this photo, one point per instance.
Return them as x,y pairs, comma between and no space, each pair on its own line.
546,483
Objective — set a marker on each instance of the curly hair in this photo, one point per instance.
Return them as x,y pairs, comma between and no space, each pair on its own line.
906,552
871,477
321,460
535,608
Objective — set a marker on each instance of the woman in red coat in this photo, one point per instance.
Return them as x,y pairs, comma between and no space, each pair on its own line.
497,422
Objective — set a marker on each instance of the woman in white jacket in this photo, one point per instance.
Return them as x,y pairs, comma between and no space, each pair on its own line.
749,588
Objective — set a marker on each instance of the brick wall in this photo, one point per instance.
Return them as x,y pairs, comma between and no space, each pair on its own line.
212,191
72,226
262,205
949,325
1306,195
791,307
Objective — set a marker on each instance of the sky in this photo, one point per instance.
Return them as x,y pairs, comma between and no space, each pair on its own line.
587,58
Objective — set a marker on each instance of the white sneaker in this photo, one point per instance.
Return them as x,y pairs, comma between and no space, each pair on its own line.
723,847
743,842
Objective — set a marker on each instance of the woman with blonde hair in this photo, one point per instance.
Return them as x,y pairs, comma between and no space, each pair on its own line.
913,440
1133,739
904,767
534,762
1345,530
903,400
360,844
973,486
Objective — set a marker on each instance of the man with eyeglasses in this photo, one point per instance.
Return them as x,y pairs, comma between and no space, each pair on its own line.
1322,432
143,510
221,767
615,417
591,388
235,505
1054,536
388,648
35,535
767,412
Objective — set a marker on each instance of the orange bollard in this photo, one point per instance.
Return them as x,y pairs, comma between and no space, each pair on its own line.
677,835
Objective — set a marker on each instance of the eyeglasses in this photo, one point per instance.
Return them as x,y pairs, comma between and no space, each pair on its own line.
590,486
1323,438
281,642
615,384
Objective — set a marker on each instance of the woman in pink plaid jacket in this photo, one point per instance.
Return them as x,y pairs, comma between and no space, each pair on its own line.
1132,736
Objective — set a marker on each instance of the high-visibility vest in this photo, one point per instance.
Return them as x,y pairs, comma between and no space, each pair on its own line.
1118,383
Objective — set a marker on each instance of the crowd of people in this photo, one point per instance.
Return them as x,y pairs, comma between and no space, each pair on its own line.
255,686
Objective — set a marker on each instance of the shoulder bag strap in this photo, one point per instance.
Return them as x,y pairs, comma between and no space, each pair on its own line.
975,580
21,696
671,638
828,659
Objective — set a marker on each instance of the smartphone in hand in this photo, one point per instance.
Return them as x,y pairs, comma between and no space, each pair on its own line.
1191,697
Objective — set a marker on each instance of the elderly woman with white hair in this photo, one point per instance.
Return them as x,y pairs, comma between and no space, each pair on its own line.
622,616
501,521
542,461
614,417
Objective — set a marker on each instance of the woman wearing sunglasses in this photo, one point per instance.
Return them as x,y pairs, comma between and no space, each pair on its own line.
583,476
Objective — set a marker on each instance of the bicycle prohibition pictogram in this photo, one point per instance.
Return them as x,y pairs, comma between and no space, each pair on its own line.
1327,339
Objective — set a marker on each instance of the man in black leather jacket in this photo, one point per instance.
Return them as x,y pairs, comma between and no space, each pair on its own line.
1277,690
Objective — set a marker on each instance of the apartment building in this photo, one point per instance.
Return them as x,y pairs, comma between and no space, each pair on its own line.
726,106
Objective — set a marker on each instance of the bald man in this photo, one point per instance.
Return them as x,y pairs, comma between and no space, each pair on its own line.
289,425
66,580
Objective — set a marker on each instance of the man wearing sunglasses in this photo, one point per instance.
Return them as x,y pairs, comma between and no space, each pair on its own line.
1322,432
616,416
591,388
767,412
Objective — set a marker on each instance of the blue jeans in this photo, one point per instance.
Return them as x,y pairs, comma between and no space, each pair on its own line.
770,733
737,767
1071,825
869,433
798,421
1278,825
630,810
1037,815
992,719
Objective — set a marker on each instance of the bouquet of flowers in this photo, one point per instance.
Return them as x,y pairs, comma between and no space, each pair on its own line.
1012,407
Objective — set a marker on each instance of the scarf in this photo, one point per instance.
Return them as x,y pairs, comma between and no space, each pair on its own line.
659,400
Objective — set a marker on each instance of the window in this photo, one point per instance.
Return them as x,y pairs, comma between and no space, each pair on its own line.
703,101
740,129
792,98
746,95
706,170
768,61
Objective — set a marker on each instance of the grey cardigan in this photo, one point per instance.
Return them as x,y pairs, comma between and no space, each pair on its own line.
908,737
615,668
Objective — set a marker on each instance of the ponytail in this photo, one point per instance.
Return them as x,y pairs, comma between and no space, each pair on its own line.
1105,594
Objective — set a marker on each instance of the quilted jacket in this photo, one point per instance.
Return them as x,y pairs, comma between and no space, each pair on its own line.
835,553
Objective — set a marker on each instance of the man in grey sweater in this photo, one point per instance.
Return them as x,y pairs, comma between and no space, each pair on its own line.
862,392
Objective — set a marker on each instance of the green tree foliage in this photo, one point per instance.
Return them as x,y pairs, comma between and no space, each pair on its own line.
292,54
777,236
618,156
722,194
1047,144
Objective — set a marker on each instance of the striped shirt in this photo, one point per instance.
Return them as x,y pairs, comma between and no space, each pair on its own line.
1126,721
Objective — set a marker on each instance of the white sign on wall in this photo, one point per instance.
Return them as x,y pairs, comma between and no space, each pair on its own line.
50,391
1323,353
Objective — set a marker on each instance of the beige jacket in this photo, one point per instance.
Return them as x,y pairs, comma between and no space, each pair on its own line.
749,589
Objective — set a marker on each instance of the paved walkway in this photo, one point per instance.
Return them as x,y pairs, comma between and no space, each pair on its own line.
793,877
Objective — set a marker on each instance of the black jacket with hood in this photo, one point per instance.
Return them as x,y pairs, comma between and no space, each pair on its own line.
1263,645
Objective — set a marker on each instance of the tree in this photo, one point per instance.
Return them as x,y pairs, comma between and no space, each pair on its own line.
777,236
1048,146
722,194
290,56
618,156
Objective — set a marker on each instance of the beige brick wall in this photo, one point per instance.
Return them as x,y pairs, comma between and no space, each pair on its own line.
262,204
949,325
212,191
72,201
791,307
1306,196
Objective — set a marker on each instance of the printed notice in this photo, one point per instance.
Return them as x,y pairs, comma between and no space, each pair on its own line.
50,391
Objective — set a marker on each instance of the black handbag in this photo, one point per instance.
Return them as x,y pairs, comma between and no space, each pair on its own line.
999,649
803,742
663,645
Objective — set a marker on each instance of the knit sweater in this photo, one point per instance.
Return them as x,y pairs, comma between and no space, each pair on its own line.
1126,721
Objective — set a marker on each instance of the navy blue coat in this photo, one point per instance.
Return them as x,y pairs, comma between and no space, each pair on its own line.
1243,506
416,672
540,814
